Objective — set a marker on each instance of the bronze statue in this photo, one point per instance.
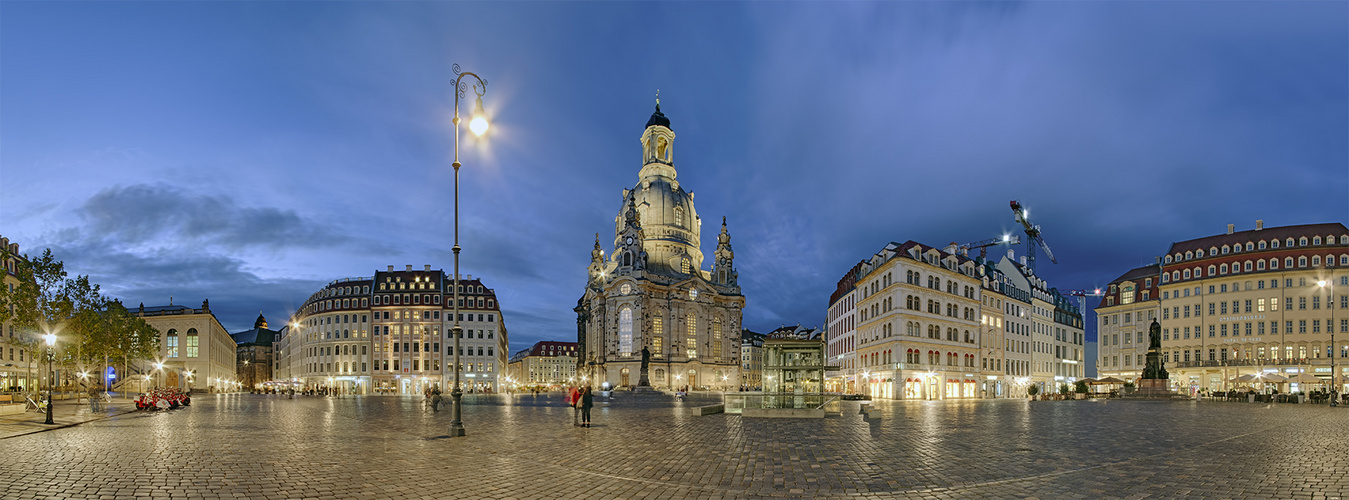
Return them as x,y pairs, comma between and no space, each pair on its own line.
642,379
1154,368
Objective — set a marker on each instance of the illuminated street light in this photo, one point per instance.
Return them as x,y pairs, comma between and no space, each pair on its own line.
478,126
51,342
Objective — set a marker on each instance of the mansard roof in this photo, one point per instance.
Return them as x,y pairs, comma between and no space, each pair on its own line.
1334,229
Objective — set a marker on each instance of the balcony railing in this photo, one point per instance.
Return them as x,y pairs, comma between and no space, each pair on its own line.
1250,362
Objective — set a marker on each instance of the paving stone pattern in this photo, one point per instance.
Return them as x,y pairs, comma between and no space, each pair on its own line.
257,446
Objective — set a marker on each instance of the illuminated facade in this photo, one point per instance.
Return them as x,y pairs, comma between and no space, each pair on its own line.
1252,302
917,323
390,334
1126,310
195,349
842,325
751,360
935,324
548,364
17,368
652,291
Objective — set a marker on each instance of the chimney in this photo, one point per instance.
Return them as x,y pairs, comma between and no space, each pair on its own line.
390,268
1011,254
1023,260
1231,228
1259,224
951,249
428,267
410,265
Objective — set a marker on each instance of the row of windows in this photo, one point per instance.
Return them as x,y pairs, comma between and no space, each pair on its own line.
191,343
1237,287
383,365
1248,266
1289,353
1252,328
1251,246
915,356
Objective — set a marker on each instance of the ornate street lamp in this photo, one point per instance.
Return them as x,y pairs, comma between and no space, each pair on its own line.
478,125
51,342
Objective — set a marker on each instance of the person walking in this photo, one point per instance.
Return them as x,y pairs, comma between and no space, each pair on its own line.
587,401
574,399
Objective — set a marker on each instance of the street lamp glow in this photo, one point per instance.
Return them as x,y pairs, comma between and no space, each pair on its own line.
50,338
479,122
1321,283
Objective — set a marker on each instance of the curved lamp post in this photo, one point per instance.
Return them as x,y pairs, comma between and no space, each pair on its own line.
478,124
51,342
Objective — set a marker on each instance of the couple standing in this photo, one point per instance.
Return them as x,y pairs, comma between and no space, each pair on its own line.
581,400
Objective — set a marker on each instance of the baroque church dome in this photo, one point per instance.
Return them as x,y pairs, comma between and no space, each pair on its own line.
665,211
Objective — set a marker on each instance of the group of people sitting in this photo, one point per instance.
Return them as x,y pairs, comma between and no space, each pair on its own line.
163,399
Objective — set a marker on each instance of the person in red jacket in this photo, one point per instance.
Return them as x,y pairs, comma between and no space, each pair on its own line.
574,400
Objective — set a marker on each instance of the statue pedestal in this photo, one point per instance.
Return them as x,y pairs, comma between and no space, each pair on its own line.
1154,388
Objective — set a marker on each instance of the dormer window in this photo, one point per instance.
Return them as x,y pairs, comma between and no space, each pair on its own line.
1226,249
1316,240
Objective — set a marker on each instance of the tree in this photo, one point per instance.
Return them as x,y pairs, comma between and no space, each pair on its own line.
1080,387
36,305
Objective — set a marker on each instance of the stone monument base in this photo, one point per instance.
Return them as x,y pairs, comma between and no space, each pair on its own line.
1154,388
645,389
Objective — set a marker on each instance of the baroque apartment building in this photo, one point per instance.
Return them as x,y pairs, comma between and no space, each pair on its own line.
1265,300
932,323
652,291
18,369
1126,310
917,323
841,323
391,334
547,364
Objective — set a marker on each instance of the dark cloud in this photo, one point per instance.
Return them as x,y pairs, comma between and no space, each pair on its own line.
142,213
236,294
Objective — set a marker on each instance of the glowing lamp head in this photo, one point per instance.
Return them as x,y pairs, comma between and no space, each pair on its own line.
50,338
159,366
479,122
1321,283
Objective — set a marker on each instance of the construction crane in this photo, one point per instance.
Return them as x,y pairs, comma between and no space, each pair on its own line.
1082,298
983,245
1032,235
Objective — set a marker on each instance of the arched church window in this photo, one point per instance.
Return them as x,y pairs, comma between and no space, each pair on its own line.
625,332
627,258
662,144
679,216
691,343
684,267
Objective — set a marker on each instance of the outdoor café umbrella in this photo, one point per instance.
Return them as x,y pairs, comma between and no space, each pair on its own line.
1274,378
1246,378
1307,378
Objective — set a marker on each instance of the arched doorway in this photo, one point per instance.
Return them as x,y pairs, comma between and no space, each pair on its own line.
623,377
693,379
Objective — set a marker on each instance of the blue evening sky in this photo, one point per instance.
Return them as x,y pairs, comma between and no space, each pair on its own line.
249,152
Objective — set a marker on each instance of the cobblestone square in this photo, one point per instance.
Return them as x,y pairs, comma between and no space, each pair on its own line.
524,446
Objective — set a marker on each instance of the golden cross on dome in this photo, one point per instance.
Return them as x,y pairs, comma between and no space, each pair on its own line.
657,97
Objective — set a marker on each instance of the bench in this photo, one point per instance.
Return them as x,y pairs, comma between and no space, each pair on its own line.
707,410
9,407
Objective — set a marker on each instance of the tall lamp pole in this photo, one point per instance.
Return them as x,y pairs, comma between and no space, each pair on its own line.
51,342
479,126
1333,348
